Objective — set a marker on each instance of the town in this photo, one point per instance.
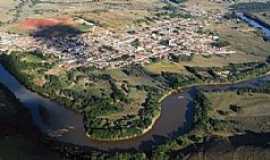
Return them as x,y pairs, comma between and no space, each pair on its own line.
134,79
103,48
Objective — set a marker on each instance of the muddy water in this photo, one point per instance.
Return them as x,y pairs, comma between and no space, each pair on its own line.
67,126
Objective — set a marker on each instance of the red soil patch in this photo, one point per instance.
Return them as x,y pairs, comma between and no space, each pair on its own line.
34,23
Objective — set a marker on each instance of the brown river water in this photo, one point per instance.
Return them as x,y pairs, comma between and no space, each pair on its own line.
66,125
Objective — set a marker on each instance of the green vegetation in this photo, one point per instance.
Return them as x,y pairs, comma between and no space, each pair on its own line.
232,72
122,103
248,109
208,122
175,80
106,98
109,107
201,108
170,10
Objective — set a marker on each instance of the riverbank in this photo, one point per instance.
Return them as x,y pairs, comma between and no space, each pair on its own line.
154,101
56,112
112,102
177,91
167,119
163,101
128,137
255,22
72,149
257,19
234,147
19,138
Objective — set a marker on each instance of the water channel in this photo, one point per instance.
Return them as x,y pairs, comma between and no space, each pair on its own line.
66,125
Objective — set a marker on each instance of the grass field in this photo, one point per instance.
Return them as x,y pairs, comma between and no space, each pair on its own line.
201,61
5,7
243,38
246,41
165,66
112,14
253,113
70,84
264,16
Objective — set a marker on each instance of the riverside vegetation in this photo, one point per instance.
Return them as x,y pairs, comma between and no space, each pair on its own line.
206,119
211,128
123,103
107,99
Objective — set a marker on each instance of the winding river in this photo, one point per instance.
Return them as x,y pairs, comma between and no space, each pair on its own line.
66,125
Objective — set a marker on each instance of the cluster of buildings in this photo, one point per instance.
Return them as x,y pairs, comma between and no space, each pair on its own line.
103,48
